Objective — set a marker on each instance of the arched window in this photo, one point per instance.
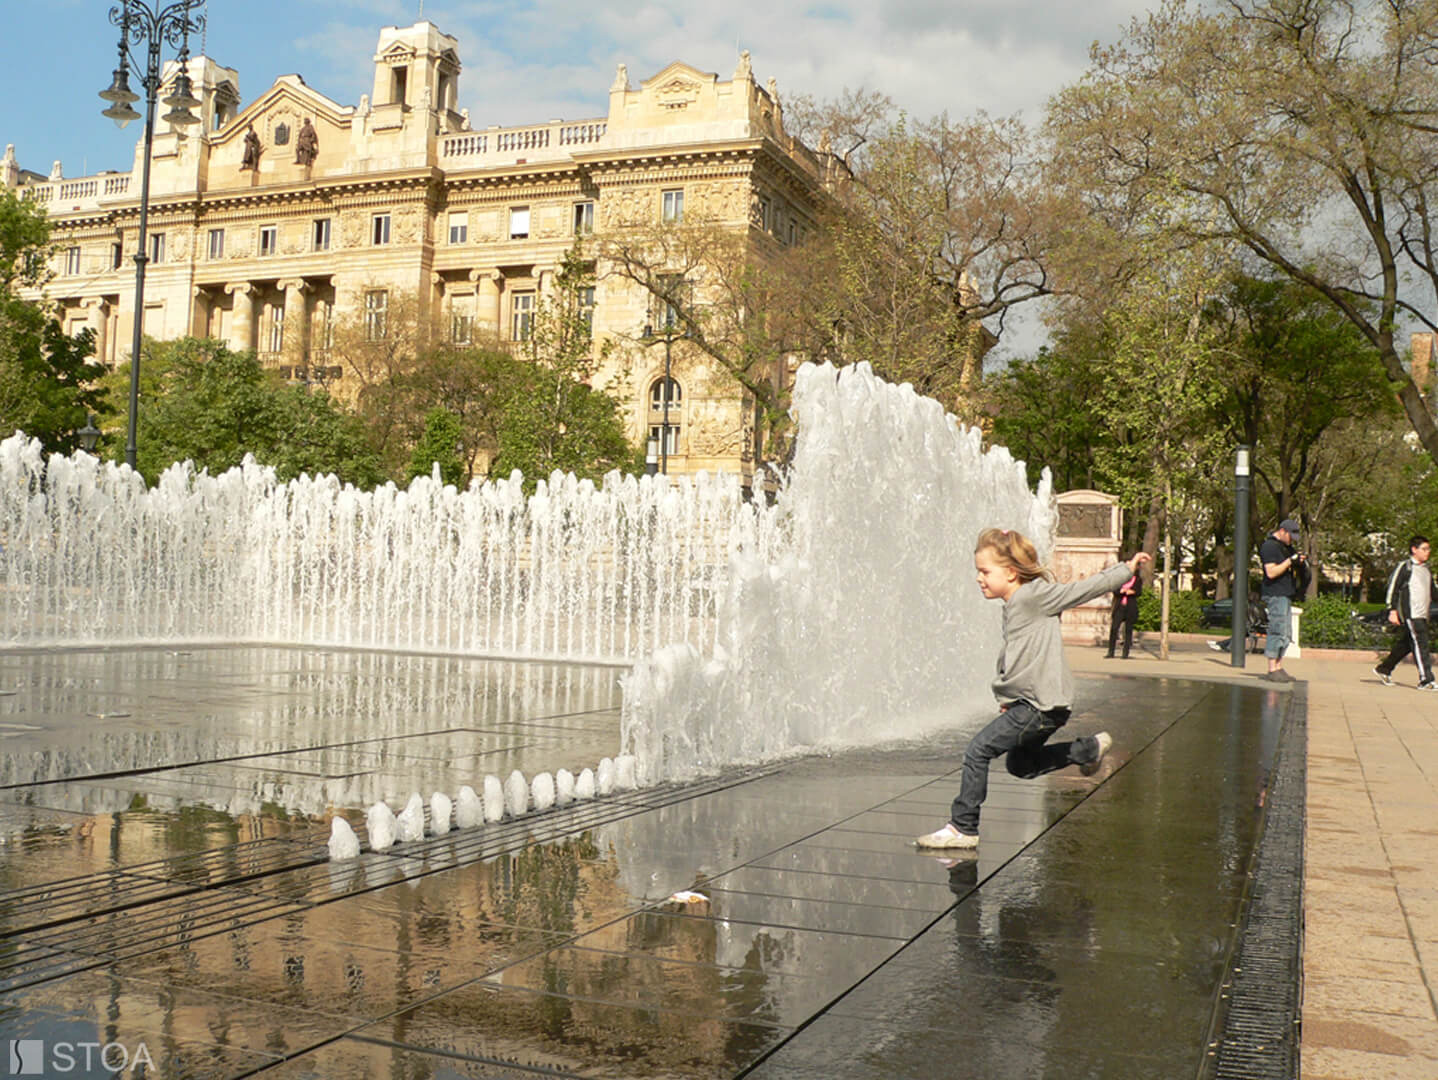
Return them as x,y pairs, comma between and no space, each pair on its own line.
663,442
656,394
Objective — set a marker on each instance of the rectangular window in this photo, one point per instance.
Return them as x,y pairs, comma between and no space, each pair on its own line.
72,260
379,229
322,234
376,314
673,440
521,323
157,247
277,329
216,249
583,218
459,228
673,212
117,255
765,213
519,223
269,240
461,328
586,307
793,232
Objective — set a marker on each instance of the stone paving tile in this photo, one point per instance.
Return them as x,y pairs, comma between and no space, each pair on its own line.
369,1059
837,1048
576,1034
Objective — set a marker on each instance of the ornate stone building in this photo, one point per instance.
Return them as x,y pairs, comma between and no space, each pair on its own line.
273,223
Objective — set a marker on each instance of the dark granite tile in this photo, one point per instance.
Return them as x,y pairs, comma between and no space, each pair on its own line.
577,1035
370,1059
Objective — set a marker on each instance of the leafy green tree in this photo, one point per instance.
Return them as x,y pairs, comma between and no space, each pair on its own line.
440,445
1044,410
47,381
203,403
550,417
1304,131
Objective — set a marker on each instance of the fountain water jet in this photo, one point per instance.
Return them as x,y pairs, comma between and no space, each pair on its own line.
843,613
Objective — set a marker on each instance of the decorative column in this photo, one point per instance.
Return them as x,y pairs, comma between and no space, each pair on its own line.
97,318
242,322
296,346
201,306
487,302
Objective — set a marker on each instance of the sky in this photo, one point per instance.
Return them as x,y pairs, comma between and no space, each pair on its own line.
527,61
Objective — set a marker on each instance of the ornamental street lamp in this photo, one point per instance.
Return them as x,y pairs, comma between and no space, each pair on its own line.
668,336
1238,646
89,435
142,24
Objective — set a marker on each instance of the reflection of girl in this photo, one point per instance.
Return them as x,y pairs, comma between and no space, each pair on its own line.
1125,614
1034,688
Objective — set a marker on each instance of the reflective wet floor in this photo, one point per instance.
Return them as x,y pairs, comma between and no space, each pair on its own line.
165,895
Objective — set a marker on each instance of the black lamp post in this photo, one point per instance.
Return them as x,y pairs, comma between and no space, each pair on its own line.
668,339
142,24
1238,646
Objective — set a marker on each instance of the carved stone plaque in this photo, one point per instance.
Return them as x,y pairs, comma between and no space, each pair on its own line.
1087,521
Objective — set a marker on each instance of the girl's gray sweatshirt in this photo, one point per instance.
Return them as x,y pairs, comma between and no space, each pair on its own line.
1032,666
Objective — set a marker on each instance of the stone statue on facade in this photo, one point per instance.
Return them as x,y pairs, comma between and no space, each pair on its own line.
621,78
745,70
307,144
251,158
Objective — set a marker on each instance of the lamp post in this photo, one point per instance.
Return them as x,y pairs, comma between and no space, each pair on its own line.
142,24
1238,646
668,339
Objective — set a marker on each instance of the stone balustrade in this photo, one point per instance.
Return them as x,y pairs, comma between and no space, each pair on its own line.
81,193
559,139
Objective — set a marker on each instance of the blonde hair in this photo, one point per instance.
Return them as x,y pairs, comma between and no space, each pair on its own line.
1014,549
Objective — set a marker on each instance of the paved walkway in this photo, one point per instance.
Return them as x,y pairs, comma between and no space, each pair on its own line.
1370,959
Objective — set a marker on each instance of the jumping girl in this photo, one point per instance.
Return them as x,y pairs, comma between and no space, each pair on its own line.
1034,687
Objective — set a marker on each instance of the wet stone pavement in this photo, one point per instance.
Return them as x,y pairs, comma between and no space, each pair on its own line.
165,892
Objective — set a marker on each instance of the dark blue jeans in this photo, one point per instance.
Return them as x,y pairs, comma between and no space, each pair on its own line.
1021,732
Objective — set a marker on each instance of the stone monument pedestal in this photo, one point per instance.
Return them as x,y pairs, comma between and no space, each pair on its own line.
1089,529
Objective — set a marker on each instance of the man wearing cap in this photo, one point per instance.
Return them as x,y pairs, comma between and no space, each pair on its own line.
1410,598
1279,587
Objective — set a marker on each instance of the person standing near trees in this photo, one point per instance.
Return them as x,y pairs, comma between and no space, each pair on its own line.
1282,566
1410,597
1124,614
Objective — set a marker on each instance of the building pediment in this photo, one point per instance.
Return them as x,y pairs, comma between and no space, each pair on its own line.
680,73
287,103
678,86
398,53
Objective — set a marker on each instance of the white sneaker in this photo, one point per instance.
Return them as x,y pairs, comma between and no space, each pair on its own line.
1387,679
1217,646
1105,741
947,837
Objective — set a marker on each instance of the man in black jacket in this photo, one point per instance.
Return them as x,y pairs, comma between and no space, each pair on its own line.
1281,565
1410,597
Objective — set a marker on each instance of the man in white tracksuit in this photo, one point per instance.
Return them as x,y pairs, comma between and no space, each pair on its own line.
1410,598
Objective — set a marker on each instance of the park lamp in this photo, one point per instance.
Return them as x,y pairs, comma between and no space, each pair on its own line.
89,435
120,97
181,101
1238,643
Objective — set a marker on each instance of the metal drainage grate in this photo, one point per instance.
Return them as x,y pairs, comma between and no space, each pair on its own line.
1257,1022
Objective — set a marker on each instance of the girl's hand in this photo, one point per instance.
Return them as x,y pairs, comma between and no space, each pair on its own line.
1138,560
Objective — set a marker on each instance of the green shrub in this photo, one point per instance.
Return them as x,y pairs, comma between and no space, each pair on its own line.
1185,609
1328,622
